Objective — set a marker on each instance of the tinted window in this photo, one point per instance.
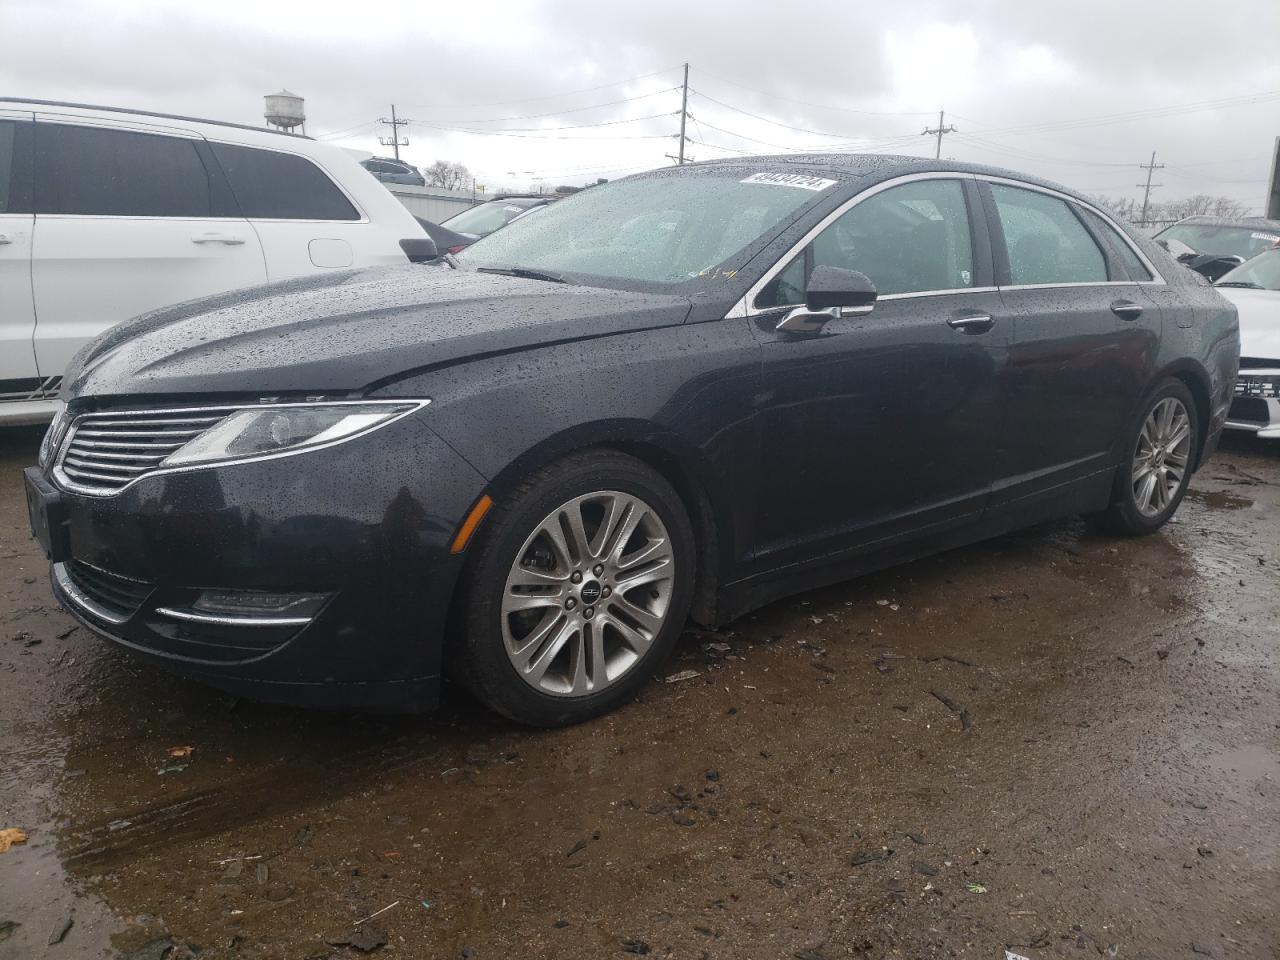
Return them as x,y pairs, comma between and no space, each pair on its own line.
1133,267
907,239
1046,243
92,171
15,166
281,186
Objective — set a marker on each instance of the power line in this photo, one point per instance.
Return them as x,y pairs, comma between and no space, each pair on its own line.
1145,114
571,126
776,123
553,96
559,113
820,106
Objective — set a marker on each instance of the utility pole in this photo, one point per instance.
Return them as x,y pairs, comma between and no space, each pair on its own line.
939,132
684,111
1146,192
394,140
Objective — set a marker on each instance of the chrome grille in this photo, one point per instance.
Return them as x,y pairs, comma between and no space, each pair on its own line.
105,451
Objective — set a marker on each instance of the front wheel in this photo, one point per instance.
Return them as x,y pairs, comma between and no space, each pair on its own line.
578,589
1150,486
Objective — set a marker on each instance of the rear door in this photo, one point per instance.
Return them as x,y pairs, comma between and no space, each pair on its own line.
1086,337
127,220
881,427
18,373
305,221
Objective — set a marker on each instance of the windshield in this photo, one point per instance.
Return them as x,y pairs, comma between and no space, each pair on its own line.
1261,273
1234,241
666,229
488,217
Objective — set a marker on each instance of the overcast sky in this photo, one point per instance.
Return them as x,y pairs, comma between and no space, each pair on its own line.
1080,92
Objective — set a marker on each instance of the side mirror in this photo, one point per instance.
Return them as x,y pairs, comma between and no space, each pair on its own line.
420,249
832,292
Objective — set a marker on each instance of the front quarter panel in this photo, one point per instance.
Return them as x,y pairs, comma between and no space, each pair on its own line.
689,392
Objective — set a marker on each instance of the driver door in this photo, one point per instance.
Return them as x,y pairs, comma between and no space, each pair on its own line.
886,426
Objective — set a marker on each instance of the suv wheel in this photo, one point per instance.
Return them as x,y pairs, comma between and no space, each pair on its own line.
578,589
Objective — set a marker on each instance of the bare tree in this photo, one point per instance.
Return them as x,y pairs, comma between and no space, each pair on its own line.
1198,205
448,174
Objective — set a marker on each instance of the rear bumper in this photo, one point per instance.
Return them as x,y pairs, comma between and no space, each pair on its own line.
1255,406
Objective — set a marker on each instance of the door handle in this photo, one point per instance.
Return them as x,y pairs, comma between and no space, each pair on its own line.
972,323
1126,309
230,239
4,239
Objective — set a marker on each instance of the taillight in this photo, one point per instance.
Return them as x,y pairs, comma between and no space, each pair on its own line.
458,247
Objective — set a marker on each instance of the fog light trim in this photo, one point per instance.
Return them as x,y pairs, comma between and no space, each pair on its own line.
229,621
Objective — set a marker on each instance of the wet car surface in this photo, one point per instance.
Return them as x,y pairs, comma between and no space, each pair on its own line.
1058,743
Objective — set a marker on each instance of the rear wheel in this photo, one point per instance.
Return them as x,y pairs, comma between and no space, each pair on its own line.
1150,486
577,590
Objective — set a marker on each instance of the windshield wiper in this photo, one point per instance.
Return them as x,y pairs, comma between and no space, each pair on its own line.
526,273
1240,283
451,260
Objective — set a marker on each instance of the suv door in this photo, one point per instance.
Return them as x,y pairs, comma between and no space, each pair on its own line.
303,219
127,220
1086,338
882,426
18,372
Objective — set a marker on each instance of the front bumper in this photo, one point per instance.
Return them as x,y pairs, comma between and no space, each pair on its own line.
1256,404
366,523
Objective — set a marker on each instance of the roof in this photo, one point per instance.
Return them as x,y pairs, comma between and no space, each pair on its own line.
148,113
881,166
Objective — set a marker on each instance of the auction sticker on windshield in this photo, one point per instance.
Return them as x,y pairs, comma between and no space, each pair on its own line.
790,180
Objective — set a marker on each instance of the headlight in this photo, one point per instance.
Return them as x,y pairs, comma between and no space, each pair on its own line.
266,431
52,435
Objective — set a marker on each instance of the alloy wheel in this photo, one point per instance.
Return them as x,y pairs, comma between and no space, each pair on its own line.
588,593
1162,456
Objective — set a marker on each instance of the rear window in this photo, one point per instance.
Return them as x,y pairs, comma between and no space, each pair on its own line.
1243,242
92,171
270,185
1131,263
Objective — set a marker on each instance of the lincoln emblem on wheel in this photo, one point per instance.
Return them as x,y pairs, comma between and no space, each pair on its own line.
677,396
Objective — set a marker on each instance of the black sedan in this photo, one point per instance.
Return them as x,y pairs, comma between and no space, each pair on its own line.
683,394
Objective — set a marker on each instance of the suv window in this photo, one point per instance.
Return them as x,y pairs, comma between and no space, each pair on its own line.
15,166
1132,265
1045,240
118,173
270,185
907,239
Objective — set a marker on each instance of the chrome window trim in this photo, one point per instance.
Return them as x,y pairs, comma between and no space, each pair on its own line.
1157,277
66,483
230,621
745,307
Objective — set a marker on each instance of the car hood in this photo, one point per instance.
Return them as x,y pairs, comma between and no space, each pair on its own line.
341,332
1259,321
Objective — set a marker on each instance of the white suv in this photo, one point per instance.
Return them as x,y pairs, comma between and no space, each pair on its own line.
108,213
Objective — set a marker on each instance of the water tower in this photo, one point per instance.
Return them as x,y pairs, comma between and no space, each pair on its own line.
284,110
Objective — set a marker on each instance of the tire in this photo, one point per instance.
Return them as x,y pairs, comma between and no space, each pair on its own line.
549,632
1144,495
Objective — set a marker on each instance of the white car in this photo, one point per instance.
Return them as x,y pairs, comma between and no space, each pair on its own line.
1254,287
108,213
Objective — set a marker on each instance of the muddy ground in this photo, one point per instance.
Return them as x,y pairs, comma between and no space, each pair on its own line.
1056,743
